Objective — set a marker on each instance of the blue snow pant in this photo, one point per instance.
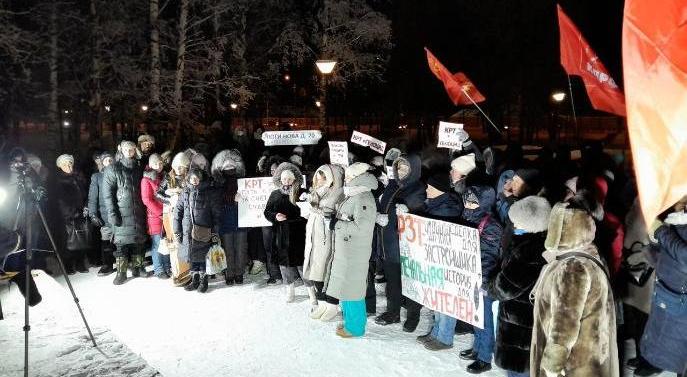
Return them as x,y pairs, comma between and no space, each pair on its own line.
354,316
444,328
484,338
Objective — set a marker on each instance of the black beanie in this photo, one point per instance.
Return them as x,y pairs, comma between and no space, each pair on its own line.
440,181
530,177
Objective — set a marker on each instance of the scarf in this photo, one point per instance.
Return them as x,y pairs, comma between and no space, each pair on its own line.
355,190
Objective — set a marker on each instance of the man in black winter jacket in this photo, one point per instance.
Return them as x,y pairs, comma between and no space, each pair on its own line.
121,188
97,211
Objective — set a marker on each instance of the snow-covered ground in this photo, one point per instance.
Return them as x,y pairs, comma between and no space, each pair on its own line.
244,330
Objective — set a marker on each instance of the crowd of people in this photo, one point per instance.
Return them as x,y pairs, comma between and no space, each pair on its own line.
564,249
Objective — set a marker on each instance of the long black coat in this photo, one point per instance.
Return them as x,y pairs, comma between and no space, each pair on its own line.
201,206
121,189
96,199
288,237
70,192
520,267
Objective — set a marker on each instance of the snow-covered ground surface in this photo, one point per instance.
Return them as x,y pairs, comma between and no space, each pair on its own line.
147,325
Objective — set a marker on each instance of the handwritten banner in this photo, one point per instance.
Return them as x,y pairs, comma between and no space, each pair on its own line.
368,141
338,153
451,135
272,138
254,194
441,267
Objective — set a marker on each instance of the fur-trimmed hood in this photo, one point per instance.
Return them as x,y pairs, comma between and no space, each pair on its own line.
228,161
415,163
151,174
333,176
569,229
295,189
530,214
677,218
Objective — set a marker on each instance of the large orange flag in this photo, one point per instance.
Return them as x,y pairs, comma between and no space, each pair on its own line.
655,70
580,60
459,88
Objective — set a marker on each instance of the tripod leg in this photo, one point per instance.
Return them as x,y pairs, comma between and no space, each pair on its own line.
27,294
64,272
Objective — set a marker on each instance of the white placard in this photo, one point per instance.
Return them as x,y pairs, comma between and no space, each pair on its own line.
254,195
441,267
338,153
451,135
272,138
368,141
390,172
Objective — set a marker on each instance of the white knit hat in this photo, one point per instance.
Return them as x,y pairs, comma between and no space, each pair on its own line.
154,159
64,159
355,170
464,164
181,160
530,214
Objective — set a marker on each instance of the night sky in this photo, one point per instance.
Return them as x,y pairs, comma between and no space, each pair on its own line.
509,48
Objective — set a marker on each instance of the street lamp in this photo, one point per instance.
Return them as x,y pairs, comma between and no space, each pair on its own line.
325,67
558,96
287,77
107,108
234,106
318,103
144,108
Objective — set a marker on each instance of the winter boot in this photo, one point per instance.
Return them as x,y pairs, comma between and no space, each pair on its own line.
69,266
228,279
195,282
312,295
317,311
20,280
290,293
122,264
138,267
203,286
238,279
105,270
80,265
258,267
330,312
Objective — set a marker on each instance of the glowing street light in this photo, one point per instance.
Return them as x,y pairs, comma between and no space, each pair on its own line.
318,103
107,108
144,108
287,77
66,111
234,106
558,96
66,123
325,66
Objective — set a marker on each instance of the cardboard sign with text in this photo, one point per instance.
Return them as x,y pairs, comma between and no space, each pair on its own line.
338,153
273,138
441,267
368,141
254,194
451,135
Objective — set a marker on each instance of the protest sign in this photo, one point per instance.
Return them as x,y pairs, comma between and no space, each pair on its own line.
368,141
338,153
254,193
272,138
441,267
451,135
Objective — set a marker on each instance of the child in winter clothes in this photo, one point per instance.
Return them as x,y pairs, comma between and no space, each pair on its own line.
197,216
149,186
353,227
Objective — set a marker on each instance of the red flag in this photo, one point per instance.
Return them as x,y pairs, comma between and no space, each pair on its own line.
579,59
655,70
459,88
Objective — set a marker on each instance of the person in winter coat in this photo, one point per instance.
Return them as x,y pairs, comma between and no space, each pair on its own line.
171,187
478,202
574,315
227,168
520,266
97,211
125,212
353,227
288,227
405,193
149,185
664,343
146,147
325,195
197,216
71,199
513,186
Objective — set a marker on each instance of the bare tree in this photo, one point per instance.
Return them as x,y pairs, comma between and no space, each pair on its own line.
154,52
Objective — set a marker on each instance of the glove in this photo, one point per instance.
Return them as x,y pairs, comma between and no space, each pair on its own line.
467,143
332,223
401,209
97,221
115,220
382,219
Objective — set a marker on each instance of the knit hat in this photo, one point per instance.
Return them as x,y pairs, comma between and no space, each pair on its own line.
530,177
298,150
355,170
145,138
154,159
126,144
181,160
464,164
105,155
440,181
64,159
391,155
296,160
377,161
530,214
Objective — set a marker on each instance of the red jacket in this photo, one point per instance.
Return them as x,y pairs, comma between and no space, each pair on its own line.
149,184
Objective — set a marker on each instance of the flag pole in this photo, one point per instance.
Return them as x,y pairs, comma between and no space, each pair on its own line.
572,104
480,110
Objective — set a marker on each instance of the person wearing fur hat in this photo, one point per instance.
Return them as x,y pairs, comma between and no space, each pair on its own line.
125,212
520,266
168,192
97,211
406,193
146,146
149,186
72,203
664,343
197,216
325,195
288,227
271,257
227,168
574,330
353,227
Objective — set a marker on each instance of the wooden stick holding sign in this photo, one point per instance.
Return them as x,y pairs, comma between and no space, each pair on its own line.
368,141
